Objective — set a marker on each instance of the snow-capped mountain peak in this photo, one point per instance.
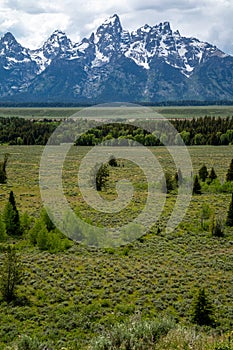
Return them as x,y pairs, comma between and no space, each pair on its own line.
144,55
57,44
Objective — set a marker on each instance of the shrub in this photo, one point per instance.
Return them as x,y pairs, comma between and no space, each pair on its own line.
216,227
134,334
28,343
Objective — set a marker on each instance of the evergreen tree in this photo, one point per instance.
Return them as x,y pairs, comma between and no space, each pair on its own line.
168,183
178,178
3,176
101,176
203,173
229,176
11,217
202,309
3,235
46,220
212,175
10,275
229,220
196,186
112,161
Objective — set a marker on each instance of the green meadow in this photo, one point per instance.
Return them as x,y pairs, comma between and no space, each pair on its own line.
79,297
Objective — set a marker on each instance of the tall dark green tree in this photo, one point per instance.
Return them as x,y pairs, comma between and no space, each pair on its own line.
202,311
178,178
112,161
101,176
229,176
196,186
11,217
168,183
203,173
3,176
212,175
229,220
10,275
47,220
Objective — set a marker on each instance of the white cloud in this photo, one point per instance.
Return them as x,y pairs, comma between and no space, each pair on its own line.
33,21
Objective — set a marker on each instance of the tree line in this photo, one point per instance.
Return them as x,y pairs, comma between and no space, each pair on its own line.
20,131
196,131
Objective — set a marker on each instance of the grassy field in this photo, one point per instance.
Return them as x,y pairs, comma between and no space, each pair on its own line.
168,112
75,295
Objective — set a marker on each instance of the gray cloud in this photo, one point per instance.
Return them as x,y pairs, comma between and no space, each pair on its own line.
32,22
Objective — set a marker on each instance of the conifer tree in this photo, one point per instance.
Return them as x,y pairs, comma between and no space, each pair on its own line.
11,217
229,176
178,178
10,275
101,176
196,186
3,234
3,176
203,173
229,220
202,309
212,175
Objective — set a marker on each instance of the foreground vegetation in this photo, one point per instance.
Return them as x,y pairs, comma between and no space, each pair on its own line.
139,296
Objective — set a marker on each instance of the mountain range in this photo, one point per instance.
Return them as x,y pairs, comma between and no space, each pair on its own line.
150,64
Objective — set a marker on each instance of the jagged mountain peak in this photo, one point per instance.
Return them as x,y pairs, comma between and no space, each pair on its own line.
58,39
9,43
165,27
8,37
152,58
113,20
111,26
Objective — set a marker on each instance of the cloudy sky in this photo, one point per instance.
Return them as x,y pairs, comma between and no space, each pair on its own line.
33,21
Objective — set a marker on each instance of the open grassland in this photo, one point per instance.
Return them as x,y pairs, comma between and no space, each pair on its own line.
73,296
168,112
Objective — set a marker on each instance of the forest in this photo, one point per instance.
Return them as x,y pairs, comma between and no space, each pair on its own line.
195,131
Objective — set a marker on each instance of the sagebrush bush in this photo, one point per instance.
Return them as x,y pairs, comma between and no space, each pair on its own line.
136,334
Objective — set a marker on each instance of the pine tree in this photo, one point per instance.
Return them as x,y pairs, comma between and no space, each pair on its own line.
202,309
10,275
47,220
3,176
203,173
3,235
229,176
11,217
229,220
178,178
212,175
196,186
101,176
112,161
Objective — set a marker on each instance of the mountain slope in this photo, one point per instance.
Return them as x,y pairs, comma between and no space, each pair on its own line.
151,64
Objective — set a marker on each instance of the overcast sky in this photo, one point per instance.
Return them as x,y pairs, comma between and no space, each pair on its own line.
33,21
